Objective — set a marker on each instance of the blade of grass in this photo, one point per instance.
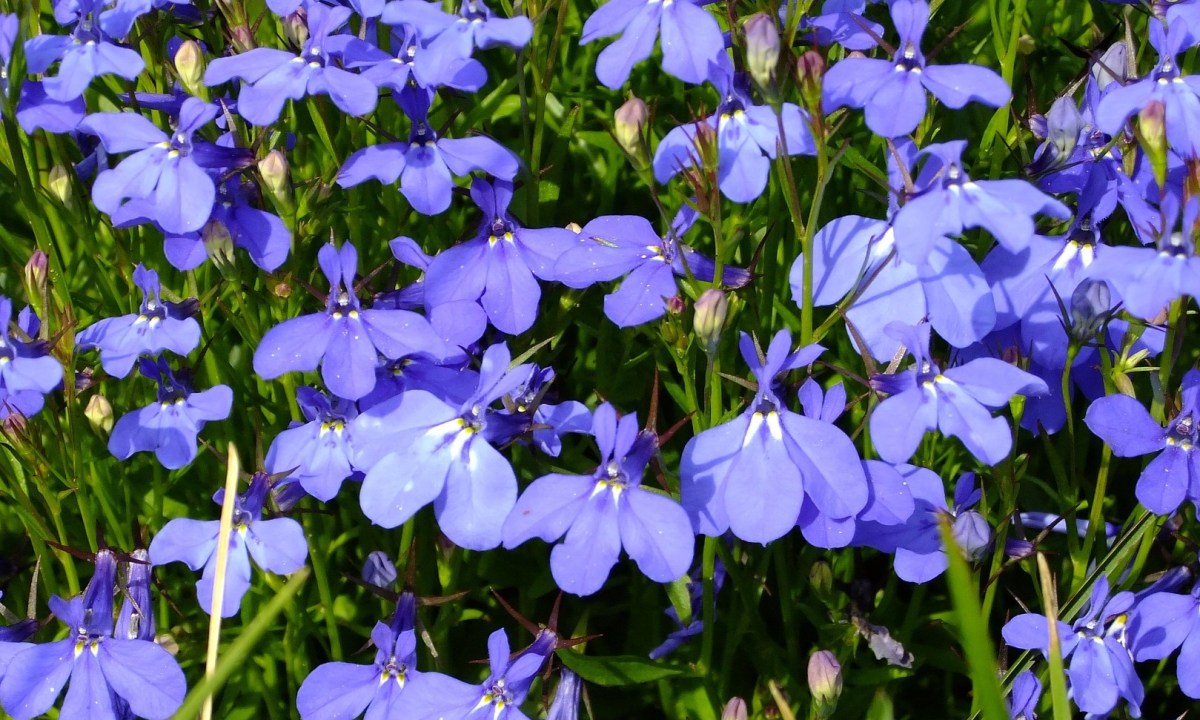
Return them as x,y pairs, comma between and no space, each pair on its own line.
218,597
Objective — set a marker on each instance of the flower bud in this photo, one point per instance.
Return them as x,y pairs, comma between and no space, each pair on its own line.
735,709
295,27
820,579
36,277
711,311
189,63
273,169
1063,124
824,681
59,183
99,414
1113,66
1091,304
810,74
218,242
1152,135
762,48
630,128
675,305
566,698
241,37
379,569
973,534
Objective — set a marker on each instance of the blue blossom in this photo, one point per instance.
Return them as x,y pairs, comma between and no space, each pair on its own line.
417,449
893,91
412,63
753,474
604,512
839,21
1023,700
271,77
955,401
747,136
27,371
103,669
10,25
340,690
345,340
1101,669
528,418
1173,475
88,52
424,164
691,39
156,326
1163,622
36,110
450,40
170,425
277,545
261,234
565,705
317,453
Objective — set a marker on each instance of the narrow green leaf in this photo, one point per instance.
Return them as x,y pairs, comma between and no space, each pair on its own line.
617,670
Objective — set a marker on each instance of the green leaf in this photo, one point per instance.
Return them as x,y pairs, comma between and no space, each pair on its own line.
681,600
617,670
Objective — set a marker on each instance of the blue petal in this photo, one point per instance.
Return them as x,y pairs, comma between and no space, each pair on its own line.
479,493
403,482
704,470
35,678
293,345
547,508
1125,425
277,545
900,421
691,41
88,695
337,690
957,85
764,489
191,542
616,60
145,675
1163,485
581,564
656,533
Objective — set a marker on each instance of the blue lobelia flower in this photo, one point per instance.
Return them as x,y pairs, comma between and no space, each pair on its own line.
1127,427
498,266
261,234
106,670
947,201
88,52
277,545
1163,622
271,77
156,326
753,474
1023,700
691,39
916,542
167,172
425,164
565,705
893,91
613,245
1179,94
341,691
27,371
528,418
451,39
855,255
10,25
604,512
410,64
170,425
1101,669
840,22
747,136
345,339
417,449
135,620
316,453
436,696
956,401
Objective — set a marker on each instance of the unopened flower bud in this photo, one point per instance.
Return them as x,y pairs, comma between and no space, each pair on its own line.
973,534
189,63
1113,66
762,48
735,709
1091,304
712,308
1152,136
241,37
565,705
810,74
295,27
36,276
824,681
99,414
820,578
630,128
282,290
218,243
1063,124
59,183
273,169
379,569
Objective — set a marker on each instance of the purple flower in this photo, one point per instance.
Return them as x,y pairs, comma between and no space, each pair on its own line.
527,417
270,77
317,453
1101,668
104,669
166,172
157,326
565,705
1023,701
956,401
604,512
417,449
747,136
277,545
26,369
499,697
947,201
451,39
855,255
170,425
893,91
1179,95
345,339
340,690
614,245
916,541
135,620
753,474
691,39
1164,622
261,234
840,22
411,62
1173,474
424,164
88,52
36,110
497,266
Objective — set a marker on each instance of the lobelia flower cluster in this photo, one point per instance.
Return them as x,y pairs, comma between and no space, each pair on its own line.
1090,261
